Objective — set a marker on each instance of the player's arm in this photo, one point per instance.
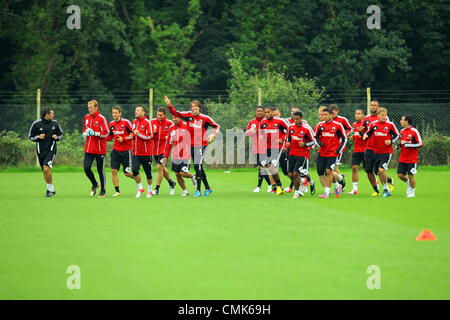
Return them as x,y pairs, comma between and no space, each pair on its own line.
58,132
129,130
104,129
394,135
312,140
317,134
181,114
368,133
341,132
283,128
32,133
111,134
148,135
251,129
287,141
211,123
347,126
418,141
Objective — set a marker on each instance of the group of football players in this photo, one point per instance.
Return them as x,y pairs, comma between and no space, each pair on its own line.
277,143
286,144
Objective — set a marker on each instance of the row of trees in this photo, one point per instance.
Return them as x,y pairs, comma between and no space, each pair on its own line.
179,46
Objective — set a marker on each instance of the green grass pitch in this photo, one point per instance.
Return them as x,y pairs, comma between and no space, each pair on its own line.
233,245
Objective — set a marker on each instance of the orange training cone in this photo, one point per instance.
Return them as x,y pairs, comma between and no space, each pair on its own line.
426,235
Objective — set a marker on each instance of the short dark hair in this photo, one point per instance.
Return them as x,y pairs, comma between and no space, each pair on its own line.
333,107
259,107
143,108
329,110
269,107
298,114
361,109
408,118
375,100
45,112
162,109
118,108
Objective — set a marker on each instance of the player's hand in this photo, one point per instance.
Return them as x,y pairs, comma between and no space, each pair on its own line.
42,136
301,144
119,138
211,138
136,132
365,137
403,141
361,128
167,100
163,161
387,142
55,137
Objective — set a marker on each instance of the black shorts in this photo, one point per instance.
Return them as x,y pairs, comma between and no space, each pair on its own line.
121,158
180,165
382,160
272,157
158,158
406,168
324,163
46,159
284,162
369,161
299,164
146,162
358,158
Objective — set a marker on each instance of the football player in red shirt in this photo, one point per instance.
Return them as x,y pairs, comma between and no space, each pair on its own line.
299,139
321,116
198,124
369,155
120,129
95,130
384,134
331,137
179,142
338,177
161,129
410,142
283,162
272,129
359,145
253,131
142,150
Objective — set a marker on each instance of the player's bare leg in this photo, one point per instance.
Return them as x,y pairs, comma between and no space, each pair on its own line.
355,179
271,179
263,174
162,172
338,179
384,181
275,177
327,183
115,181
411,181
373,181
412,185
323,180
49,180
295,176
47,175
